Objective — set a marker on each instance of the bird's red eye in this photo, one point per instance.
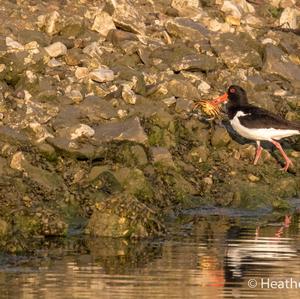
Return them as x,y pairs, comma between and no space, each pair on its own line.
232,90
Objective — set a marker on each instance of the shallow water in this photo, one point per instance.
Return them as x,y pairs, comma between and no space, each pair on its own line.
206,255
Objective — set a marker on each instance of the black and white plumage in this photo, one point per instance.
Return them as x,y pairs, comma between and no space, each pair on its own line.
256,123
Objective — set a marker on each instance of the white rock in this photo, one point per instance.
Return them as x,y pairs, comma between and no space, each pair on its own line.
204,87
231,8
81,72
75,95
30,76
128,95
50,22
275,3
288,18
208,181
27,96
287,3
32,46
16,161
280,92
237,7
232,20
251,20
82,130
185,3
103,23
92,50
214,25
169,101
245,6
122,113
2,67
56,49
269,40
54,63
102,75
40,131
12,44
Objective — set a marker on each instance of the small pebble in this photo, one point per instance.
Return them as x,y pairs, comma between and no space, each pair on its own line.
253,178
81,72
102,75
56,49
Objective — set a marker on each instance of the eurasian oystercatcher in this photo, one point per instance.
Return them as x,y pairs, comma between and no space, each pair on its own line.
256,123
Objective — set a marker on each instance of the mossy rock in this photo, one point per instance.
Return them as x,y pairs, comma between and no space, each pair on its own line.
27,224
110,182
122,215
198,154
134,182
72,30
131,155
46,223
161,137
4,228
220,137
179,186
251,195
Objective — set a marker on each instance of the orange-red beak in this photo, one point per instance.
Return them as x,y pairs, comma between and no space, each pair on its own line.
219,100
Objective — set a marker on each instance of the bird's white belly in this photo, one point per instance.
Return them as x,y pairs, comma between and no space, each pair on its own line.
259,134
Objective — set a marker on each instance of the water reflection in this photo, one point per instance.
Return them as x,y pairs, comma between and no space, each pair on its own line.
205,256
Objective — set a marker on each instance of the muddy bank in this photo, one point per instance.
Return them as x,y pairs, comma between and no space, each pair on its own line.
96,129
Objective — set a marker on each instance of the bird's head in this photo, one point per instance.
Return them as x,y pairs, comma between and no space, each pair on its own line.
235,95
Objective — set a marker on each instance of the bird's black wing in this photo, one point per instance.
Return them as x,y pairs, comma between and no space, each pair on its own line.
260,118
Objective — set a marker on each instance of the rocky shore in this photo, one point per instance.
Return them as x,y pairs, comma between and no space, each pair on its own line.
97,132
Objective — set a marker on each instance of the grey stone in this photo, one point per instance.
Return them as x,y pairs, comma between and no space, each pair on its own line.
196,62
129,129
276,62
81,149
13,136
182,89
183,105
96,109
26,36
72,30
118,37
237,50
45,178
67,116
186,28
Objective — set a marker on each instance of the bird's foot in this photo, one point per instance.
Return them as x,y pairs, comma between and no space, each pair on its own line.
287,165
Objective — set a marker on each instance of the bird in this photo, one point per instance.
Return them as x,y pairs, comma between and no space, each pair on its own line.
256,123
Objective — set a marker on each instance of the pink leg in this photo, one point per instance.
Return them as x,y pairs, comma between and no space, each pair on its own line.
286,224
288,162
257,232
258,152
287,220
